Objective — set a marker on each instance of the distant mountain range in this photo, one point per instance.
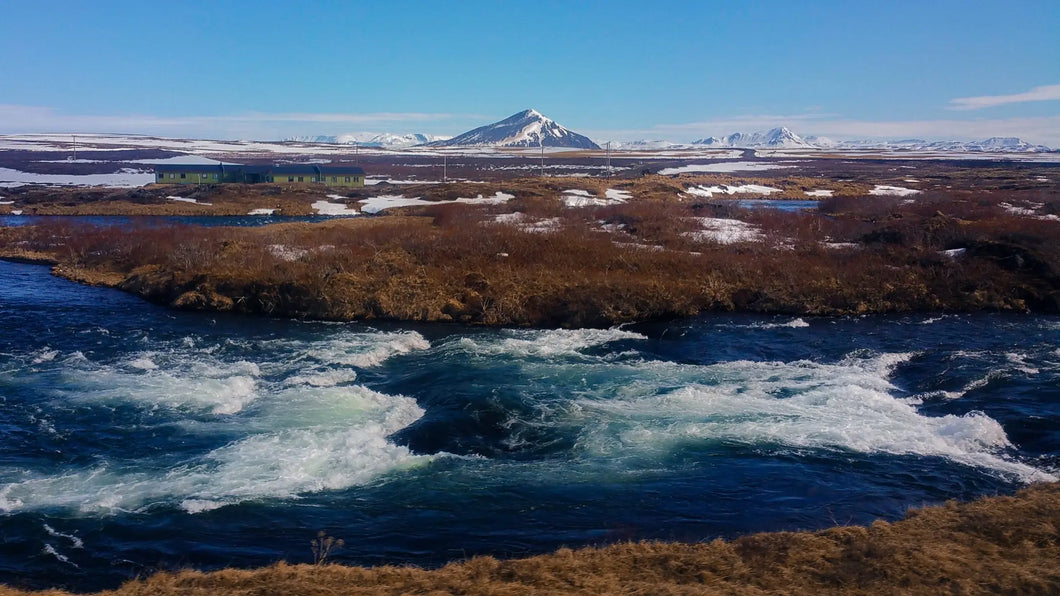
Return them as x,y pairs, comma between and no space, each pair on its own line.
993,144
783,138
777,137
371,139
528,128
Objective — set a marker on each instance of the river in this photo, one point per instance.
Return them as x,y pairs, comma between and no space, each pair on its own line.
135,438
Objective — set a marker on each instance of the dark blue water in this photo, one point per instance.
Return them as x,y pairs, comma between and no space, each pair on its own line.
778,204
135,438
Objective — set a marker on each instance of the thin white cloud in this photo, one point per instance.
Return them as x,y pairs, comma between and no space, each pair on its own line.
1045,93
248,125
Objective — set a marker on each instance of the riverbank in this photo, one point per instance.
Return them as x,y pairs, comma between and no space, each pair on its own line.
538,263
1008,544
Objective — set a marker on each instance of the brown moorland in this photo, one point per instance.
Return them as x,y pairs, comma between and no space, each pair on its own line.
995,545
534,262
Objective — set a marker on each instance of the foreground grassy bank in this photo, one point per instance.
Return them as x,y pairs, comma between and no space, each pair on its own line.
996,545
535,262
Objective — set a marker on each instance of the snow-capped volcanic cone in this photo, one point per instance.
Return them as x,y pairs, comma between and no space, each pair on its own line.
525,129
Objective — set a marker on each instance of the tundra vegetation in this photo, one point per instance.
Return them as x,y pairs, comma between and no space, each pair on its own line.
996,545
533,261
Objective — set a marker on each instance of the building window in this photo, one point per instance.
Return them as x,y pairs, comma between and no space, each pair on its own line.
333,179
347,178
290,178
171,176
183,175
300,179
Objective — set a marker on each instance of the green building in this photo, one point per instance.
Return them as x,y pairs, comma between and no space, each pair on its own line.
329,175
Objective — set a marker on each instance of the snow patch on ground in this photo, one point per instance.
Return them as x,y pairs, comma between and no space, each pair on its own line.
710,191
819,193
528,224
188,200
326,208
736,166
898,191
262,212
381,202
1014,210
126,178
576,197
287,253
725,231
374,181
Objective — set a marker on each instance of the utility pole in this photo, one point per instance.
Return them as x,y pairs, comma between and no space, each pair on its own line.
75,147
608,160
541,142
445,166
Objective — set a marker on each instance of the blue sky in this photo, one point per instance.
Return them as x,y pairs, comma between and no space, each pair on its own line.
612,70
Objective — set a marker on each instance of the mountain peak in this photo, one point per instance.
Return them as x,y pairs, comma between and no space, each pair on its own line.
780,136
528,128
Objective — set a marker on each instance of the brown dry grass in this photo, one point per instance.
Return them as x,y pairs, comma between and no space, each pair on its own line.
454,263
996,545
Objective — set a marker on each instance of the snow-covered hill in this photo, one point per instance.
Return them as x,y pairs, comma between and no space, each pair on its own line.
528,128
371,139
783,138
779,137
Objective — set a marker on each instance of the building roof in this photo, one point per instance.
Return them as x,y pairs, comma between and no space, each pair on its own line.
321,170
192,167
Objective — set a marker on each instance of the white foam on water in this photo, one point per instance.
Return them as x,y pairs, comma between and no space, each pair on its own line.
323,378
50,550
547,344
1019,362
363,350
310,428
143,363
654,407
796,323
309,442
75,542
44,355
183,382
